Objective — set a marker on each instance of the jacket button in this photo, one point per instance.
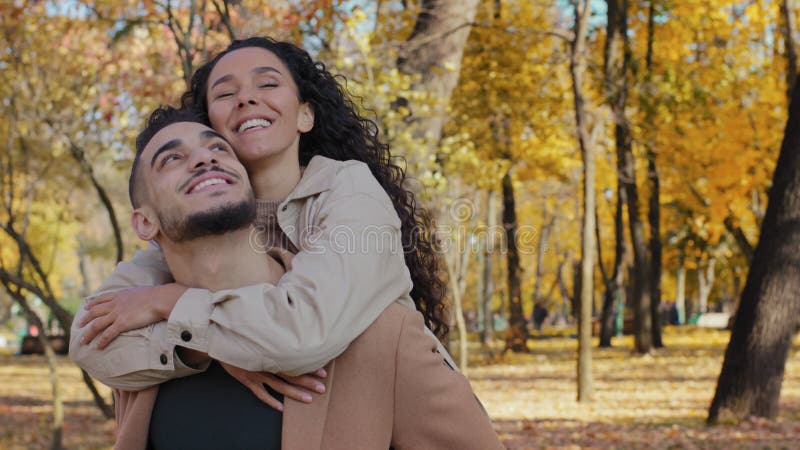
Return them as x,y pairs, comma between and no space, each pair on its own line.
163,359
186,336
285,207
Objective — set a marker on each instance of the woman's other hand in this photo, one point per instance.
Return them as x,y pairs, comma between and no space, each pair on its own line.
298,388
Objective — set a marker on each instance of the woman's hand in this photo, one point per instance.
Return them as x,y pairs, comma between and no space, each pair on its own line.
129,309
293,387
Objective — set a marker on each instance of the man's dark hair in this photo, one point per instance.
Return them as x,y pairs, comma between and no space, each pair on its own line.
160,118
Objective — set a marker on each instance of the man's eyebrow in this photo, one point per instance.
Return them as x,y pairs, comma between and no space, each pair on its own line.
168,146
208,134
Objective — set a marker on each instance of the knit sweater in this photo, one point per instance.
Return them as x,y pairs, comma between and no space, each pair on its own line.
267,222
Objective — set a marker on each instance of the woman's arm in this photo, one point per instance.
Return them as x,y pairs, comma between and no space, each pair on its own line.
141,357
350,267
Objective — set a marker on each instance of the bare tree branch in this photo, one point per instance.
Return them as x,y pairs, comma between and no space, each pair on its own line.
225,16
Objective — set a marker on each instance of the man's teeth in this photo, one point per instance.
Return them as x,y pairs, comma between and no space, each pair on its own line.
253,123
209,182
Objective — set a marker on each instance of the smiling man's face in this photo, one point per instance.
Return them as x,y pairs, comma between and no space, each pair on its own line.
194,184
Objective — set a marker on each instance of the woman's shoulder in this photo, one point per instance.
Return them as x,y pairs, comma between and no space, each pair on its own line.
321,163
345,177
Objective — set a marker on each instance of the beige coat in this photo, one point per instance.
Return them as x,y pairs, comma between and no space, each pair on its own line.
389,389
349,268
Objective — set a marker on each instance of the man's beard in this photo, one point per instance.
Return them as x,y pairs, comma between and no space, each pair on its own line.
215,222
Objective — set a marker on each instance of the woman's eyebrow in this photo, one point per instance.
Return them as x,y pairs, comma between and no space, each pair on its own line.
257,71
222,80
265,69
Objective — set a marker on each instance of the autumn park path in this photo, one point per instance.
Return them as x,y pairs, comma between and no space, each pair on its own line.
657,401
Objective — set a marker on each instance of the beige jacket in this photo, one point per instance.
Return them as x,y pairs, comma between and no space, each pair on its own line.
389,389
349,268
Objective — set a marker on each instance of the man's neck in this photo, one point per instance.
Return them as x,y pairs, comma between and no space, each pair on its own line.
218,262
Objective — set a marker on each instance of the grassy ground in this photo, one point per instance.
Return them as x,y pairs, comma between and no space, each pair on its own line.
26,412
657,401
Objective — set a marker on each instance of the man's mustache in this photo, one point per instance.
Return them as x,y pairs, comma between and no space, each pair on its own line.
203,172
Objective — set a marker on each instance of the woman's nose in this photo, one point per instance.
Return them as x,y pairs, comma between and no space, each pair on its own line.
246,97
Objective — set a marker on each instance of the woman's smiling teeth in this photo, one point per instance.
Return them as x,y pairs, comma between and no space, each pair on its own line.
254,123
206,183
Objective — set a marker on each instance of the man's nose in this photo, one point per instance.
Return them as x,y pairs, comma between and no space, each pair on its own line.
202,157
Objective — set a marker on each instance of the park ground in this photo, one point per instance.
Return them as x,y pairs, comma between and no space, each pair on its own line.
656,401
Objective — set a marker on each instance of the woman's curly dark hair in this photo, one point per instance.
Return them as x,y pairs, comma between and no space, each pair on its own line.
342,134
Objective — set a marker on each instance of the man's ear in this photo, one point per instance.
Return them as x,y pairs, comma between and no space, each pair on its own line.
144,223
305,118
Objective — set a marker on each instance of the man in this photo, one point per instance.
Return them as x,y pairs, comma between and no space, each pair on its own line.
389,389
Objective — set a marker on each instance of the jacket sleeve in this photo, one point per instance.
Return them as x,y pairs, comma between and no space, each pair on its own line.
351,266
136,359
453,417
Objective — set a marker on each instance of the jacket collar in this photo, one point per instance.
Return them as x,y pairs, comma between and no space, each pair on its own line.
317,177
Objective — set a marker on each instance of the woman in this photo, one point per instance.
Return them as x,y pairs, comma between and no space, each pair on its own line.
297,132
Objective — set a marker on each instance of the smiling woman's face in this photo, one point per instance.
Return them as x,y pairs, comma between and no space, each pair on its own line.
254,103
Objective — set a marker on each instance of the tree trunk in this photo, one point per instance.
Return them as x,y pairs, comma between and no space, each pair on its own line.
488,279
566,299
654,211
752,372
614,286
544,236
517,334
434,52
705,281
617,87
607,305
80,157
680,296
655,249
42,288
50,356
457,262
577,288
577,69
457,271
642,318
85,290
99,401
789,29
